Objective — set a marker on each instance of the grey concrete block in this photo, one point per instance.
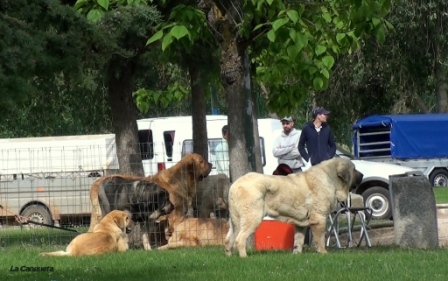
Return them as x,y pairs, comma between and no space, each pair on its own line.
356,200
414,211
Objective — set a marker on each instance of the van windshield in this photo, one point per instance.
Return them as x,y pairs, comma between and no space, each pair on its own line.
341,152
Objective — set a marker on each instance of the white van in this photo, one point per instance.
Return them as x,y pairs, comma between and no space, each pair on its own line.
165,140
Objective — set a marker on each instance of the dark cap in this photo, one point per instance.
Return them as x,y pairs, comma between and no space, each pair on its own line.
287,118
320,110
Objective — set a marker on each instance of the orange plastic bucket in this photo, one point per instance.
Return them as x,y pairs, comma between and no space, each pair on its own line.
274,235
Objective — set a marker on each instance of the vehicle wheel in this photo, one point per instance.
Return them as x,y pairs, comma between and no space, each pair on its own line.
378,199
439,177
37,213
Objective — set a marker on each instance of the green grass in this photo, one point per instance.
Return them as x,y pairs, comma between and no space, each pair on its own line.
441,195
377,263
22,247
40,236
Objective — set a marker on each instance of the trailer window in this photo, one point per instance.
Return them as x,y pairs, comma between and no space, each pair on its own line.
146,144
187,147
168,137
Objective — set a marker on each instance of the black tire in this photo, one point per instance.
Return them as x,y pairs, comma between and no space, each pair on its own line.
37,213
378,198
439,177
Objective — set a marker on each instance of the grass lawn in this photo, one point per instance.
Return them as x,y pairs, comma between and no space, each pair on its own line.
377,263
19,250
441,195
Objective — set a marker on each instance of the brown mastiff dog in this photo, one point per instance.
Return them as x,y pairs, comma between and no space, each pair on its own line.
110,235
181,181
303,199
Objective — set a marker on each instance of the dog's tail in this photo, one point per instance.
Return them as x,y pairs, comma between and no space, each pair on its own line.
230,238
54,254
95,192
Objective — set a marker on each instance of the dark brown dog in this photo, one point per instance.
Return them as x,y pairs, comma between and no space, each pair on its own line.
142,197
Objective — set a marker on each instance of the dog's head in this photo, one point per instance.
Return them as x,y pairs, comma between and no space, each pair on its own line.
123,220
350,177
197,166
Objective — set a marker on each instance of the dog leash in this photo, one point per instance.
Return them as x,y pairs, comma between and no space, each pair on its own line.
24,220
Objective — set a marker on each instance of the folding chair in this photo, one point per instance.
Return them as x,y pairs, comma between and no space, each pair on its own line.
364,214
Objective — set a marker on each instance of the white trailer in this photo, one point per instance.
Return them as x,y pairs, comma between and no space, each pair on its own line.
47,178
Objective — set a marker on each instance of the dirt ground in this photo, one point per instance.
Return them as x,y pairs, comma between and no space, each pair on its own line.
384,235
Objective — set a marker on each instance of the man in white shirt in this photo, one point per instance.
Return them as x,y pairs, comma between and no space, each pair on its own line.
286,146
222,153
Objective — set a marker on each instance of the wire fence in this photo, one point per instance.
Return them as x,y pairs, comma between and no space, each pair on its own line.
44,190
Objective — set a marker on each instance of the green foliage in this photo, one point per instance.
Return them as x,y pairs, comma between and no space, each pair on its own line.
302,41
395,77
186,40
185,24
96,9
129,24
145,98
46,52
127,29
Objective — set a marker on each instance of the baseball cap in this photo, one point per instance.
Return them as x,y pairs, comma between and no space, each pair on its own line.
320,110
288,118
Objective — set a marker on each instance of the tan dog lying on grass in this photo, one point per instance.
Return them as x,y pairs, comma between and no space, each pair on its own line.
194,232
108,236
303,199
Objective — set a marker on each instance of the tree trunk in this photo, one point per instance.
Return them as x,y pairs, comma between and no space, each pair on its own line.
200,140
252,134
124,116
441,82
232,77
244,149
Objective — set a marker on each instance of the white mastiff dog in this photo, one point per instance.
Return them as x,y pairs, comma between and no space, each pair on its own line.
303,199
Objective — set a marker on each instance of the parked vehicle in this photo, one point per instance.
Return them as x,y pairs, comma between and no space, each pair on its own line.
47,178
165,140
418,141
375,183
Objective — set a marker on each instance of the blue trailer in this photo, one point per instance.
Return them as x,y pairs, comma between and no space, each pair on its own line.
419,141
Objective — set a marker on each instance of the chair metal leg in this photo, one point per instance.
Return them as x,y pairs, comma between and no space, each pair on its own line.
351,214
350,226
334,229
363,232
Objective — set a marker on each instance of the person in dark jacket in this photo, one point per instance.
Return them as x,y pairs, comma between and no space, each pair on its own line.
317,138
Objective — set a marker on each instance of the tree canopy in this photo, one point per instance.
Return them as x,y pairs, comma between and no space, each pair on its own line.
45,49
